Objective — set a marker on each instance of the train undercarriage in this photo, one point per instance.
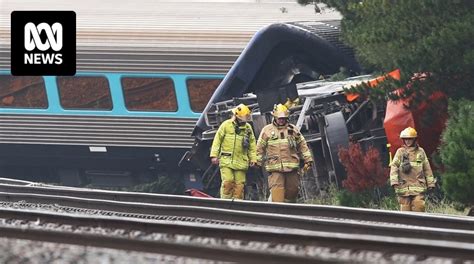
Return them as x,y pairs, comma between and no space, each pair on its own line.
293,62
325,117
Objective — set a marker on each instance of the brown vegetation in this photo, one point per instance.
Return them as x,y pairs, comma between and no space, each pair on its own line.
364,169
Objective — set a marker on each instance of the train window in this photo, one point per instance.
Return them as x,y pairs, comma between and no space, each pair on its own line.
149,94
22,92
84,93
200,91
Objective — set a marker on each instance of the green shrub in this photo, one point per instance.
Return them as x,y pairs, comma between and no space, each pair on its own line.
327,197
389,202
377,198
164,185
359,199
457,152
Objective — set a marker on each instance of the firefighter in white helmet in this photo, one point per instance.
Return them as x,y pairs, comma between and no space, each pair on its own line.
234,149
410,173
282,146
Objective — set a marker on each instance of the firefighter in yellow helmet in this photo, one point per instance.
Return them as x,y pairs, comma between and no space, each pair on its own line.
282,146
234,150
410,173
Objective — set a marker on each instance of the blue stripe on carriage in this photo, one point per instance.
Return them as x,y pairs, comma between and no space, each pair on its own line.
119,109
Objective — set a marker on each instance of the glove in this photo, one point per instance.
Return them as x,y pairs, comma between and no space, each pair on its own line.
430,189
307,166
215,161
430,192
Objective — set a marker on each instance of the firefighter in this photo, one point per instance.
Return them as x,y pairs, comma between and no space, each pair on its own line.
234,150
410,173
283,146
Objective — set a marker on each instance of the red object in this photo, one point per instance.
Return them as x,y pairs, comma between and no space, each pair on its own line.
398,117
197,193
364,169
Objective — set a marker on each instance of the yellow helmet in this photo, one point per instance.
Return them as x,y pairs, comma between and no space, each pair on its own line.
280,111
242,112
408,132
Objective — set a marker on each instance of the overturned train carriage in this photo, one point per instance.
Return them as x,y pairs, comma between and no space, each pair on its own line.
285,61
144,74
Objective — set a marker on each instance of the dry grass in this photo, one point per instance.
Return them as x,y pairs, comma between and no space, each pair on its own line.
444,207
435,206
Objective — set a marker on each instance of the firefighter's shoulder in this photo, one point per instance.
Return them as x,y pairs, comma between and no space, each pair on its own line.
226,126
421,152
226,122
398,152
267,130
267,127
421,149
295,128
248,125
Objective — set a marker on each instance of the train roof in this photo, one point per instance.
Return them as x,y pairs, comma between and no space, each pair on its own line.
277,58
162,36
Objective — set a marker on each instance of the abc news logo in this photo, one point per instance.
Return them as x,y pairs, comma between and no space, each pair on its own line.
33,40
43,43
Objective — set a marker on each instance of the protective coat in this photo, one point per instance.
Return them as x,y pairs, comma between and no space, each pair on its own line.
228,146
282,146
418,178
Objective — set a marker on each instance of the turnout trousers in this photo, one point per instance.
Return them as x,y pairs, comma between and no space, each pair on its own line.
414,203
284,186
233,182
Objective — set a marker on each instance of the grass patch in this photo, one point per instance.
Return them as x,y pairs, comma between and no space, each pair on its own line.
445,207
334,196
327,197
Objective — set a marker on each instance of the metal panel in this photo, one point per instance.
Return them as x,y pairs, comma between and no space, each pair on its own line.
162,36
96,131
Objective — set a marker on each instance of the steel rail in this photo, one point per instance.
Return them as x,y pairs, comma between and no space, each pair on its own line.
340,240
360,214
255,218
149,246
15,182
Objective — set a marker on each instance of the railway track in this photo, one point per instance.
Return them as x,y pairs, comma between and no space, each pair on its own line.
239,243
319,211
297,228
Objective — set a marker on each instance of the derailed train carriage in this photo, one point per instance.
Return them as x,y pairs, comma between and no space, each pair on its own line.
144,74
284,62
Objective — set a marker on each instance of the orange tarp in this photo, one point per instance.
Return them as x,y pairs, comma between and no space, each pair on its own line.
398,117
372,83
